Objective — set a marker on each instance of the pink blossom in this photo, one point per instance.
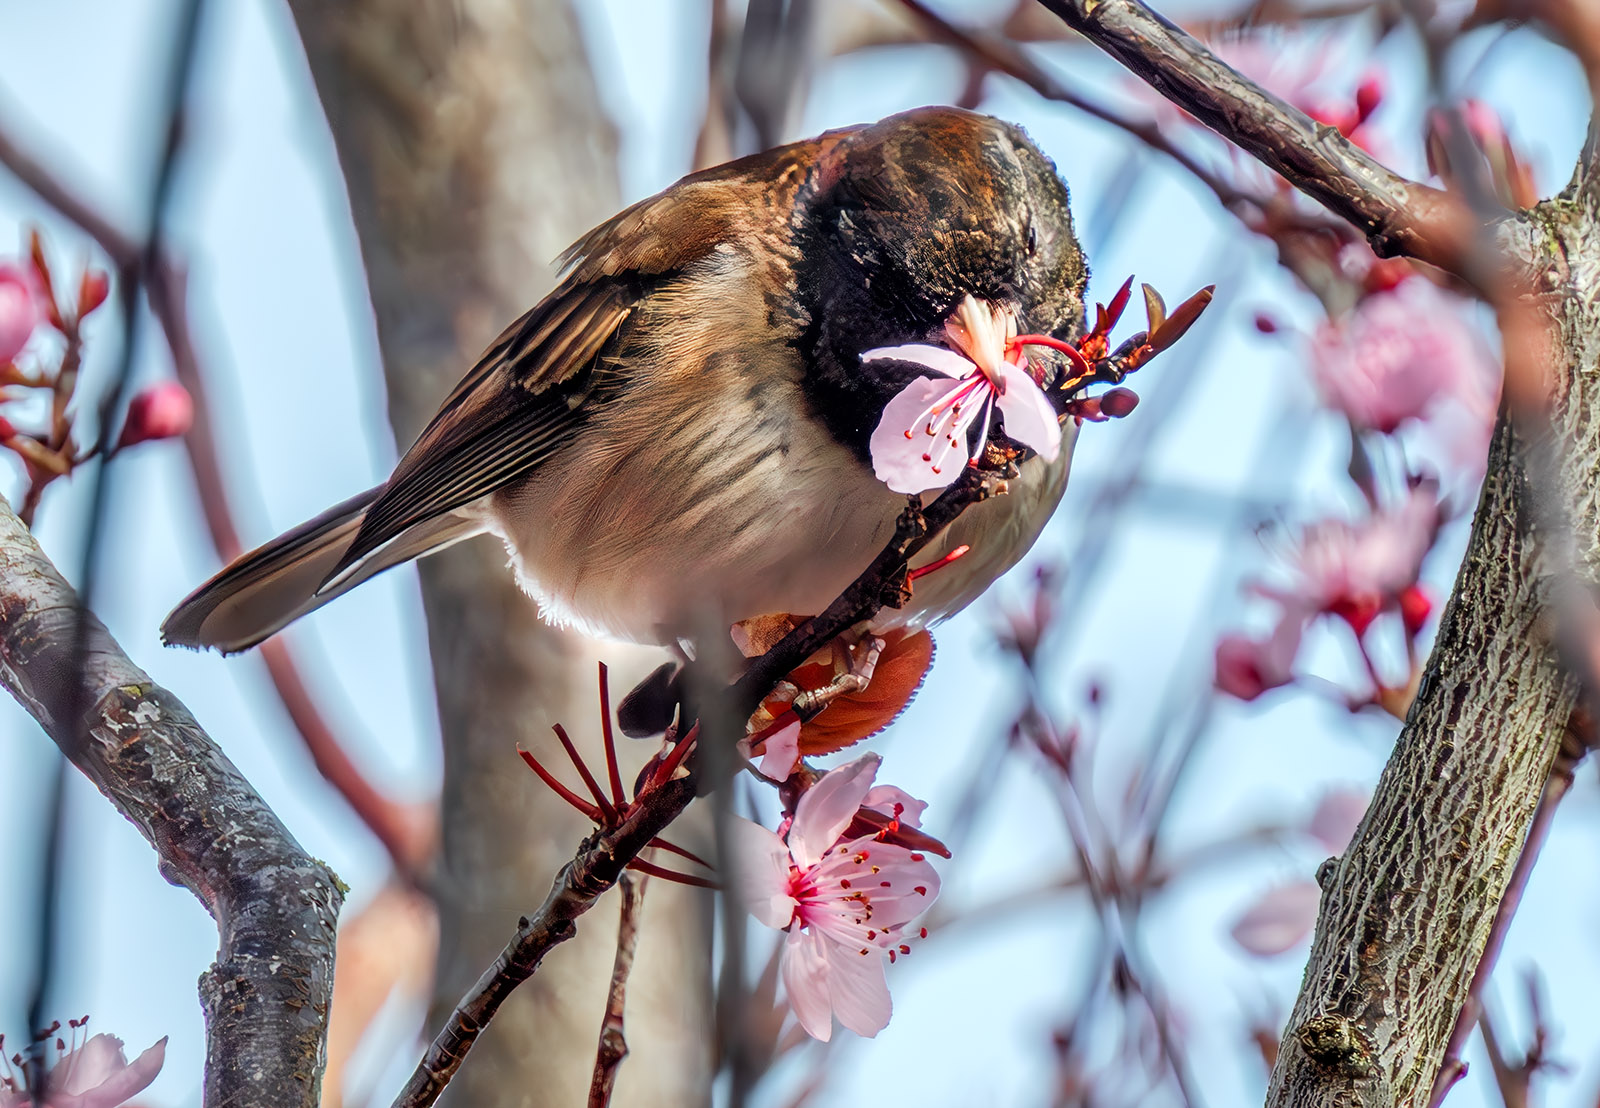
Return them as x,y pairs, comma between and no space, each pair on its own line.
1355,570
94,1074
781,752
21,309
1248,667
161,411
1401,354
1279,920
1337,815
843,902
921,440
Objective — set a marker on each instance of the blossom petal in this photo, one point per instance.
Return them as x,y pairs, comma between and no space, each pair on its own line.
804,967
859,988
904,456
1279,920
886,798
761,873
827,808
937,358
125,1080
1029,417
782,752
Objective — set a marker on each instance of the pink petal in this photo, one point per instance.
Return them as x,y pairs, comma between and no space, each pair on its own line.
936,358
1030,419
1248,667
827,808
898,443
782,752
1279,920
885,798
804,966
1336,818
858,988
20,311
761,873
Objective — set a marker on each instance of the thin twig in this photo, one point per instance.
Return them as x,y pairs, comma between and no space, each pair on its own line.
613,1046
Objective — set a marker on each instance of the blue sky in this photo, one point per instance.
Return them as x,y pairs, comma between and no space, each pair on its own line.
281,317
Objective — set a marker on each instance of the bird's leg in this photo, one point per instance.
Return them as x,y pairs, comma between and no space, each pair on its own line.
852,673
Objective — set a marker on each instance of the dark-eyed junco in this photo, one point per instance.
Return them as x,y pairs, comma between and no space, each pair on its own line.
720,410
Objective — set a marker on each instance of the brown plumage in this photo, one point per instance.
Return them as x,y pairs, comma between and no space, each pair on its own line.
676,437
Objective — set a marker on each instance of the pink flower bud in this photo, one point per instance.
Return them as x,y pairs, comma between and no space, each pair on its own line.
1119,402
1368,96
92,290
1266,324
21,310
161,411
1415,607
7,430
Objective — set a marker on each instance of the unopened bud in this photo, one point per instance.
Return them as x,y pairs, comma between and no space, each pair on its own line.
161,411
1266,324
92,290
7,431
1368,96
1119,402
1415,607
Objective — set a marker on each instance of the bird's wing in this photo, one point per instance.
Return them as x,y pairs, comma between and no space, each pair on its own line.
528,392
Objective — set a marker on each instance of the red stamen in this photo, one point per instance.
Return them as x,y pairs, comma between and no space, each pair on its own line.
669,764
941,563
561,790
583,771
674,848
1080,364
671,875
617,799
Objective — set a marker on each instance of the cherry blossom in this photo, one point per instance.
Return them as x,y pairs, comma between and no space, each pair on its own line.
1356,570
1279,919
1401,355
21,309
921,441
94,1073
843,901
1248,667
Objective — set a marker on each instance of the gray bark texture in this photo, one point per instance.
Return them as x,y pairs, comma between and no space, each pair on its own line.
266,997
474,149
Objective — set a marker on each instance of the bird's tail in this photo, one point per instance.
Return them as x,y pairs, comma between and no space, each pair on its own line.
269,588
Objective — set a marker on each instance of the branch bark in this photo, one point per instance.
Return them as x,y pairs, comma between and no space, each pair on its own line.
266,997
1409,909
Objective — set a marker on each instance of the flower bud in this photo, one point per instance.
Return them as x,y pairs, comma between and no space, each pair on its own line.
1266,324
92,290
1119,402
161,411
1415,607
21,310
1368,96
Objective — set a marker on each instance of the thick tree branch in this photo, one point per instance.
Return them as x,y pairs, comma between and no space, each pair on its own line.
266,997
1397,215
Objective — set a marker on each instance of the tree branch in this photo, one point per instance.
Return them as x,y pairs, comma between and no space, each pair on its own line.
613,1046
1398,216
266,997
404,836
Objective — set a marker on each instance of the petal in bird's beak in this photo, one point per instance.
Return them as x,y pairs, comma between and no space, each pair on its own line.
983,332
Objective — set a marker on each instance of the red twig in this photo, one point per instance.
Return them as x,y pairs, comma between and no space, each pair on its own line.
613,1046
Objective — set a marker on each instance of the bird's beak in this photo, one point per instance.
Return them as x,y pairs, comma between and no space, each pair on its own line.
984,333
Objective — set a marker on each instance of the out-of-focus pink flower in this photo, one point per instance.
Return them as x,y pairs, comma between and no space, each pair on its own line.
1334,821
1248,667
843,903
21,309
1510,174
1399,355
94,1074
161,411
1356,570
1279,920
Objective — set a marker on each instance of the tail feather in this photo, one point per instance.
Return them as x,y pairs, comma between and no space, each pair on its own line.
269,588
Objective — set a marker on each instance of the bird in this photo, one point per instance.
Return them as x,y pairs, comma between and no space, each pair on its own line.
680,436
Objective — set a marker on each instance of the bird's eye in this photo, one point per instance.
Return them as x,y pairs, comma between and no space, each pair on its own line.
1033,239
